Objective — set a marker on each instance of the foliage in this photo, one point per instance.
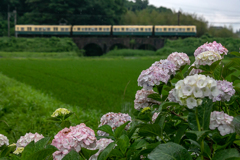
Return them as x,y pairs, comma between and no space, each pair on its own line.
189,45
129,53
52,44
203,130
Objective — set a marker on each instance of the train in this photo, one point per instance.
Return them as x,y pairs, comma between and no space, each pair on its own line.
107,30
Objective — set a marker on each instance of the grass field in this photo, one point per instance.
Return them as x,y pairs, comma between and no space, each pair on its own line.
97,83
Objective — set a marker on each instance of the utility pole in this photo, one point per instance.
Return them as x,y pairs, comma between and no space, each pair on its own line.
15,20
179,17
9,15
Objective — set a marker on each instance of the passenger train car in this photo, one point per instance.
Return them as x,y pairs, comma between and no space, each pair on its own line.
106,30
51,30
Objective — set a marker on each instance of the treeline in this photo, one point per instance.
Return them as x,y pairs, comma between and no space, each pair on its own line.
100,12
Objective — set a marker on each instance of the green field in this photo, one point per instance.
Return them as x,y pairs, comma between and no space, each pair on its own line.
98,83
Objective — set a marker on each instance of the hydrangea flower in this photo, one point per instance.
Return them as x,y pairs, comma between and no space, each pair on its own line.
114,120
179,59
214,46
195,71
3,140
207,58
101,145
27,138
159,71
60,112
73,138
142,100
221,121
154,117
226,91
192,89
18,150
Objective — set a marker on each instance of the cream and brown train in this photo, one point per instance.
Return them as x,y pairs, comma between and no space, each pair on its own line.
106,30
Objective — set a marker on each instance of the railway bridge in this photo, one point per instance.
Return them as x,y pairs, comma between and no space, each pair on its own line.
107,43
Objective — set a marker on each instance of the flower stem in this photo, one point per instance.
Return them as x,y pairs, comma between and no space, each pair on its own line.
198,124
199,129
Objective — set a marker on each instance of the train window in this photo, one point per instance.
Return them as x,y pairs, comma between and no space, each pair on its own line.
40,29
169,29
29,28
146,29
78,29
48,29
160,29
127,29
192,29
22,29
180,29
165,29
149,29
122,29
118,29
83,29
173,29
35,29
136,29
95,29
183,29
141,29
17,28
62,29
100,29
188,29
66,29
107,29
115,29
55,29
156,29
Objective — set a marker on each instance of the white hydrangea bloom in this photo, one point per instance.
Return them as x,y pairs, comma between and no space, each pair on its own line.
221,121
3,140
190,90
207,58
60,112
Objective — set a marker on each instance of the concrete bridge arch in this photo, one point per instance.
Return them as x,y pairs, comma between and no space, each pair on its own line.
106,42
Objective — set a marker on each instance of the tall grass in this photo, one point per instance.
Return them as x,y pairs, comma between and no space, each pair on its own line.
24,109
103,84
130,52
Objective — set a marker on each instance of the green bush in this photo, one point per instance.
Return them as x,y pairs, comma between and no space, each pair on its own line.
130,52
52,44
189,45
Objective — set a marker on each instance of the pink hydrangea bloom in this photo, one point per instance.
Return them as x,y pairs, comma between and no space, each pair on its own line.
25,140
221,121
142,100
154,117
58,155
214,46
226,91
179,59
195,71
159,71
101,145
114,120
3,140
73,138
